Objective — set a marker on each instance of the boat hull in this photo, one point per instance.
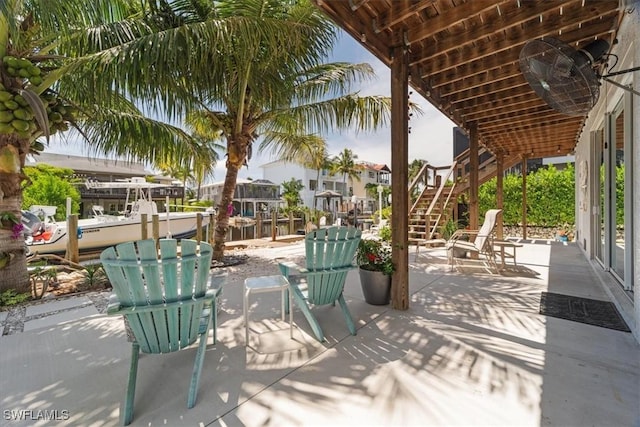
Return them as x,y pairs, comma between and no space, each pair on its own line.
95,235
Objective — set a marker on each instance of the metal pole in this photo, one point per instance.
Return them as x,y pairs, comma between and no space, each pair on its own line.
380,190
354,200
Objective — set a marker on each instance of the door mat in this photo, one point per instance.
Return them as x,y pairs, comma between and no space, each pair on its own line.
583,310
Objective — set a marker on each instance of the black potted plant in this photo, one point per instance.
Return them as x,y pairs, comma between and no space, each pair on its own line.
374,259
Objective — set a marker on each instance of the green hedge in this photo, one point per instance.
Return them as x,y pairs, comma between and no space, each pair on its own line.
550,197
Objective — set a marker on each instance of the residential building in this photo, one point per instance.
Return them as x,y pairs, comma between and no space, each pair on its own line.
377,174
108,170
251,196
371,175
280,171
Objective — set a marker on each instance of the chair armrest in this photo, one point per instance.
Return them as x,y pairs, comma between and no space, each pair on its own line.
113,307
462,232
288,268
116,308
216,283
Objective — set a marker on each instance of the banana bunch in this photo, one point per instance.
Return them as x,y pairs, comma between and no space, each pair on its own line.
16,112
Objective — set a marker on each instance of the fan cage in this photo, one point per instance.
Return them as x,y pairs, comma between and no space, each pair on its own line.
562,76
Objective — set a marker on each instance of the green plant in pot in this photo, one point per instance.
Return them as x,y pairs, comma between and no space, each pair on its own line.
376,266
448,228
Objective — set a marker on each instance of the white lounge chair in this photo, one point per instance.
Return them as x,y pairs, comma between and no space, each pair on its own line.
375,228
475,241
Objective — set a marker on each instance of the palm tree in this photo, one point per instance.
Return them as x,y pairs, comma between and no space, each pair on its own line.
291,192
311,153
257,88
414,169
344,164
51,80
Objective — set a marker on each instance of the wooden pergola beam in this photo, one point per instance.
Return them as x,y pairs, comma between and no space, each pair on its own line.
524,197
399,177
500,193
474,179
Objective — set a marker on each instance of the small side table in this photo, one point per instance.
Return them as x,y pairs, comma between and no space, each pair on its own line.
503,245
263,284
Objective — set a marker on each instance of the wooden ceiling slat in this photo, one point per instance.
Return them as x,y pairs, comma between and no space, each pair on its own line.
386,20
518,138
513,41
513,114
538,112
480,80
492,87
485,98
514,17
523,123
449,18
506,58
496,108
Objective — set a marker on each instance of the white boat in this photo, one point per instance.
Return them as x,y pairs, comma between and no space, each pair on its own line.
45,236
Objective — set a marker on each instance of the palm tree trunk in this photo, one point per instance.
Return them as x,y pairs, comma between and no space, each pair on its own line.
13,270
237,153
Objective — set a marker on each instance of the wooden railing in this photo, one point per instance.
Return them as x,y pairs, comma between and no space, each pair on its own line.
454,182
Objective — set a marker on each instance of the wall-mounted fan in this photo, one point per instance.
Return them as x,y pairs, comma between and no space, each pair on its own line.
565,78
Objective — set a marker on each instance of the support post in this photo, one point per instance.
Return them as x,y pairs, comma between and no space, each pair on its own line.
212,227
274,225
474,180
291,223
198,227
143,226
399,175
73,252
500,193
524,197
155,229
258,225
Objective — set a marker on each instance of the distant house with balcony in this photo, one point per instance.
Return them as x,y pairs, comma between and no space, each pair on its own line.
279,171
251,196
106,170
371,174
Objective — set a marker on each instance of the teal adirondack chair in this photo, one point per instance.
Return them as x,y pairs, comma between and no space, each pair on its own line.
165,299
329,257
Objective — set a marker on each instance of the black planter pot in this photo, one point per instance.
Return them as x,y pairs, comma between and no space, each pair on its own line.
376,287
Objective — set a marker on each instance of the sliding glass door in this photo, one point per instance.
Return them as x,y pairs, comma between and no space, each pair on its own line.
614,186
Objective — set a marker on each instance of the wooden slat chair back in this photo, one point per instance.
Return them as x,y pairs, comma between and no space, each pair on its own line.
480,241
329,258
165,299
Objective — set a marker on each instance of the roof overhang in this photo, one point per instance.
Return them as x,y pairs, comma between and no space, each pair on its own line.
464,59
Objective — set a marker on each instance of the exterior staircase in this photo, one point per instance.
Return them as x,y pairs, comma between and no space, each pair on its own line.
438,189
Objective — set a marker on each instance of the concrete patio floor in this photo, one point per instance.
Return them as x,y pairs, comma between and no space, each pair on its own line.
471,350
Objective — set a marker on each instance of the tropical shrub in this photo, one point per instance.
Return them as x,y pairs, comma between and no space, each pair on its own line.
550,197
49,185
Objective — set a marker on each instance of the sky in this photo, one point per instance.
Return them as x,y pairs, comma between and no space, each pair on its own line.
430,138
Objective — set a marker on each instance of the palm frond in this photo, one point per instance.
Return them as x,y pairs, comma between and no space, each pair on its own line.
350,111
293,147
328,80
114,132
